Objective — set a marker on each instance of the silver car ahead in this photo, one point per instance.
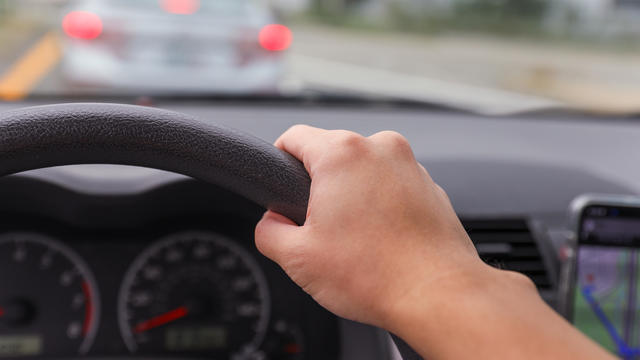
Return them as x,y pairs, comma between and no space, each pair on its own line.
160,46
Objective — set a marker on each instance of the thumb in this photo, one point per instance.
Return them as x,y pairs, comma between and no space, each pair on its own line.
276,235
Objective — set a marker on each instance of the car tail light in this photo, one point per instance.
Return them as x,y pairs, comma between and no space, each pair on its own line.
82,25
181,7
275,37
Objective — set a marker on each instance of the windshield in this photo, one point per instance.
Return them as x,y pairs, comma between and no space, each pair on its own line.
481,55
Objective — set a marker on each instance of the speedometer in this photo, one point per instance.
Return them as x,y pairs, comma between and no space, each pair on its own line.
49,302
194,294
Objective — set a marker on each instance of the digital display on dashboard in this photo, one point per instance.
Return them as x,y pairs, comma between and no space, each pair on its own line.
20,345
606,296
190,338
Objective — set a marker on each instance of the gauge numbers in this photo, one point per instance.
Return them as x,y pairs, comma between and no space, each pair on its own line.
194,293
49,302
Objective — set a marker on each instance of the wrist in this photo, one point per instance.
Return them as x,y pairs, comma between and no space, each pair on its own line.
473,286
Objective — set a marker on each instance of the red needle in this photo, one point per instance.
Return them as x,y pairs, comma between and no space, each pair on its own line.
88,310
160,320
1,311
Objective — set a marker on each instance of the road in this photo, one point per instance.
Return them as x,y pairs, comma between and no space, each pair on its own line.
477,66
477,73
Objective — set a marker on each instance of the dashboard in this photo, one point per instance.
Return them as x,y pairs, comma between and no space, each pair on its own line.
126,262
163,273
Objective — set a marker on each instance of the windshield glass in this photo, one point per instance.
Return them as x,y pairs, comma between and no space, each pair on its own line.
481,55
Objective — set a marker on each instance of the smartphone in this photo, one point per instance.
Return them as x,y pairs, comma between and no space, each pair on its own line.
601,276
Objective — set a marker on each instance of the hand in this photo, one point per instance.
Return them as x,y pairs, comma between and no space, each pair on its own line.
378,229
382,245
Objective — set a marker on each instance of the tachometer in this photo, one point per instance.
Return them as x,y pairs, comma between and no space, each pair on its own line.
194,293
49,301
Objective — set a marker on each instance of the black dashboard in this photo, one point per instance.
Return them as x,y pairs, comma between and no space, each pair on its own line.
510,178
168,272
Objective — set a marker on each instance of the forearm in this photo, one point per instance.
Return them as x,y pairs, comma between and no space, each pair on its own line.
382,245
487,315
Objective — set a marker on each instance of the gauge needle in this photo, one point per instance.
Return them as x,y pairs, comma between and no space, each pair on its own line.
162,319
1,311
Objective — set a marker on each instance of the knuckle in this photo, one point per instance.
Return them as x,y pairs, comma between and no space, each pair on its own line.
290,133
348,147
396,142
350,140
296,129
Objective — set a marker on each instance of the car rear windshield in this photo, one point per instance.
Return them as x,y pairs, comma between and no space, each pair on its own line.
217,7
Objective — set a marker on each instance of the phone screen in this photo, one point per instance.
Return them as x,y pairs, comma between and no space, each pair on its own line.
606,295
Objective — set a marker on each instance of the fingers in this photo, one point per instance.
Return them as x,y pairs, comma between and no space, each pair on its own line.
300,141
276,236
309,145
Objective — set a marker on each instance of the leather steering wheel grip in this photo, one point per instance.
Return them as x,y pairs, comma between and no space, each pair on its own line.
65,134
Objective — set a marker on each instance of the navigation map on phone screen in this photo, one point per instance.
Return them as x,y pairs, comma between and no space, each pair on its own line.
606,300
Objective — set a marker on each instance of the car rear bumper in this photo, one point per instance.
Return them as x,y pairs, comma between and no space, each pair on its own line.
84,70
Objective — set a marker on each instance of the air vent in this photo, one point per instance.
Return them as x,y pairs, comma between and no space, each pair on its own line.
508,244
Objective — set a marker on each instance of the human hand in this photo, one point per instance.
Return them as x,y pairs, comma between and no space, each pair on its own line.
377,229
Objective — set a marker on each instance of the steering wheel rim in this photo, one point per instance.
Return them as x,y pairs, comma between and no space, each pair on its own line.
83,133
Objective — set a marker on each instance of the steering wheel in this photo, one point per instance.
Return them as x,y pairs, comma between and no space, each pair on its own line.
66,134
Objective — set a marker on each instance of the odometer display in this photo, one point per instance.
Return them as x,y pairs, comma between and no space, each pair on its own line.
188,338
49,302
194,293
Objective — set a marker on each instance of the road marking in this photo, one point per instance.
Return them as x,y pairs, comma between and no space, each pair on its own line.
26,72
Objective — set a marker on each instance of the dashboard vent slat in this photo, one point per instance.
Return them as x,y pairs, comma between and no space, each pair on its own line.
503,237
525,266
508,244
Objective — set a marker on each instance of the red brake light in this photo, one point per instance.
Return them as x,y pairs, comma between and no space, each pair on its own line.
181,7
82,25
275,37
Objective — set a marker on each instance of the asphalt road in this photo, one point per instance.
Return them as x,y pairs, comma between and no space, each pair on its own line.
473,68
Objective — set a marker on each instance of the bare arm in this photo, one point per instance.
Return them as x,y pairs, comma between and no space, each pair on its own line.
382,245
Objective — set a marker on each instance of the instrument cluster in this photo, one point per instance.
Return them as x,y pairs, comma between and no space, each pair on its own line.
185,293
169,272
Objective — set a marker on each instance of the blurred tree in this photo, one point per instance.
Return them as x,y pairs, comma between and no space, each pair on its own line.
335,7
6,6
509,17
523,9
328,6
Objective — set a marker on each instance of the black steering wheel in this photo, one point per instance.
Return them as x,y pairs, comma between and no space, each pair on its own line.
55,135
